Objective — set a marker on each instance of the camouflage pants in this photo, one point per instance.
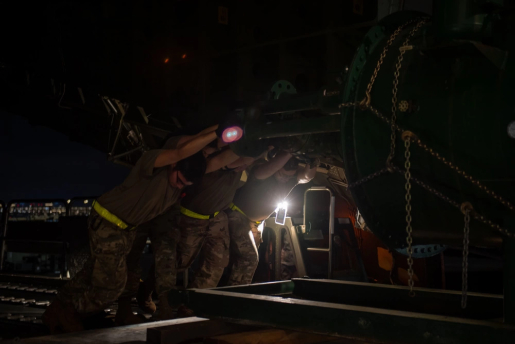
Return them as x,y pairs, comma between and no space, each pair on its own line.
210,239
288,266
102,279
243,249
164,235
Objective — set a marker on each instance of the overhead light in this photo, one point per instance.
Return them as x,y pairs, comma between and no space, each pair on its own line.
68,201
86,201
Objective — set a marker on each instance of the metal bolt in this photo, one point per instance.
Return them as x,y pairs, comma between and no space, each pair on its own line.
403,106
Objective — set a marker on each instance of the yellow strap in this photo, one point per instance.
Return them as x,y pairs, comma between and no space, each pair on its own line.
194,215
106,214
233,206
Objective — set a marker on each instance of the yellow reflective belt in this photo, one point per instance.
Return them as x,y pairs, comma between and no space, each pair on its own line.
233,206
107,215
193,214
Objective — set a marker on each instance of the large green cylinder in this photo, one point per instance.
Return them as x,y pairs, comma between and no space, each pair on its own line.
462,102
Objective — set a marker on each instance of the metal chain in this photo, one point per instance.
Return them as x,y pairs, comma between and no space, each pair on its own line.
429,188
465,175
365,104
368,178
455,204
474,214
465,264
368,99
443,160
395,89
409,229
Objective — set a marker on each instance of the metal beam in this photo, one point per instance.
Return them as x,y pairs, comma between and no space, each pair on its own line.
270,288
509,280
430,301
351,29
315,125
366,323
322,100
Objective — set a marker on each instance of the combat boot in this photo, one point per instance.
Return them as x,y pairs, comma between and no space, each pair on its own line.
144,298
62,318
164,312
124,315
184,312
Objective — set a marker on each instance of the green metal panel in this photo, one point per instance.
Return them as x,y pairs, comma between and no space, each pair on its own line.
463,109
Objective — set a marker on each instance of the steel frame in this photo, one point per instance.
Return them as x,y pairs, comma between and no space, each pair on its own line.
429,317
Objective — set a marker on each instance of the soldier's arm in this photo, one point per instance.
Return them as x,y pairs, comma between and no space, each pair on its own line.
306,173
225,158
267,169
243,161
187,146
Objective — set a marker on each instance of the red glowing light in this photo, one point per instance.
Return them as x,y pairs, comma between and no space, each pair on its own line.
184,56
166,60
232,134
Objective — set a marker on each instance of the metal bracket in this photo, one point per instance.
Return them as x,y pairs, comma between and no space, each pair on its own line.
301,229
329,249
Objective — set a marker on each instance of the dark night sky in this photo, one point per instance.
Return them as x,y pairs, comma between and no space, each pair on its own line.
38,162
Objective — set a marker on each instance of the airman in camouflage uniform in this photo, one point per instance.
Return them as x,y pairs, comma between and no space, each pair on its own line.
151,188
268,184
203,224
207,235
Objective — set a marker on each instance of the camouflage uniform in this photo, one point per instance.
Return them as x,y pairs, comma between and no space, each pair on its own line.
257,199
288,268
245,240
164,236
103,277
210,239
145,194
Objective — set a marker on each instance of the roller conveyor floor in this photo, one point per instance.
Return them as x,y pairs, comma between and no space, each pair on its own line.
24,299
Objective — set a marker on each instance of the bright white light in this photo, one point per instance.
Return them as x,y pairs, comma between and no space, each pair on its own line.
261,226
86,201
281,213
68,201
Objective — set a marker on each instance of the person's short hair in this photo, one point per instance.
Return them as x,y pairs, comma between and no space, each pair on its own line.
291,164
193,167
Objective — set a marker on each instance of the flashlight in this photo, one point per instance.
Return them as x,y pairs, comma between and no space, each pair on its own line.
281,210
232,134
